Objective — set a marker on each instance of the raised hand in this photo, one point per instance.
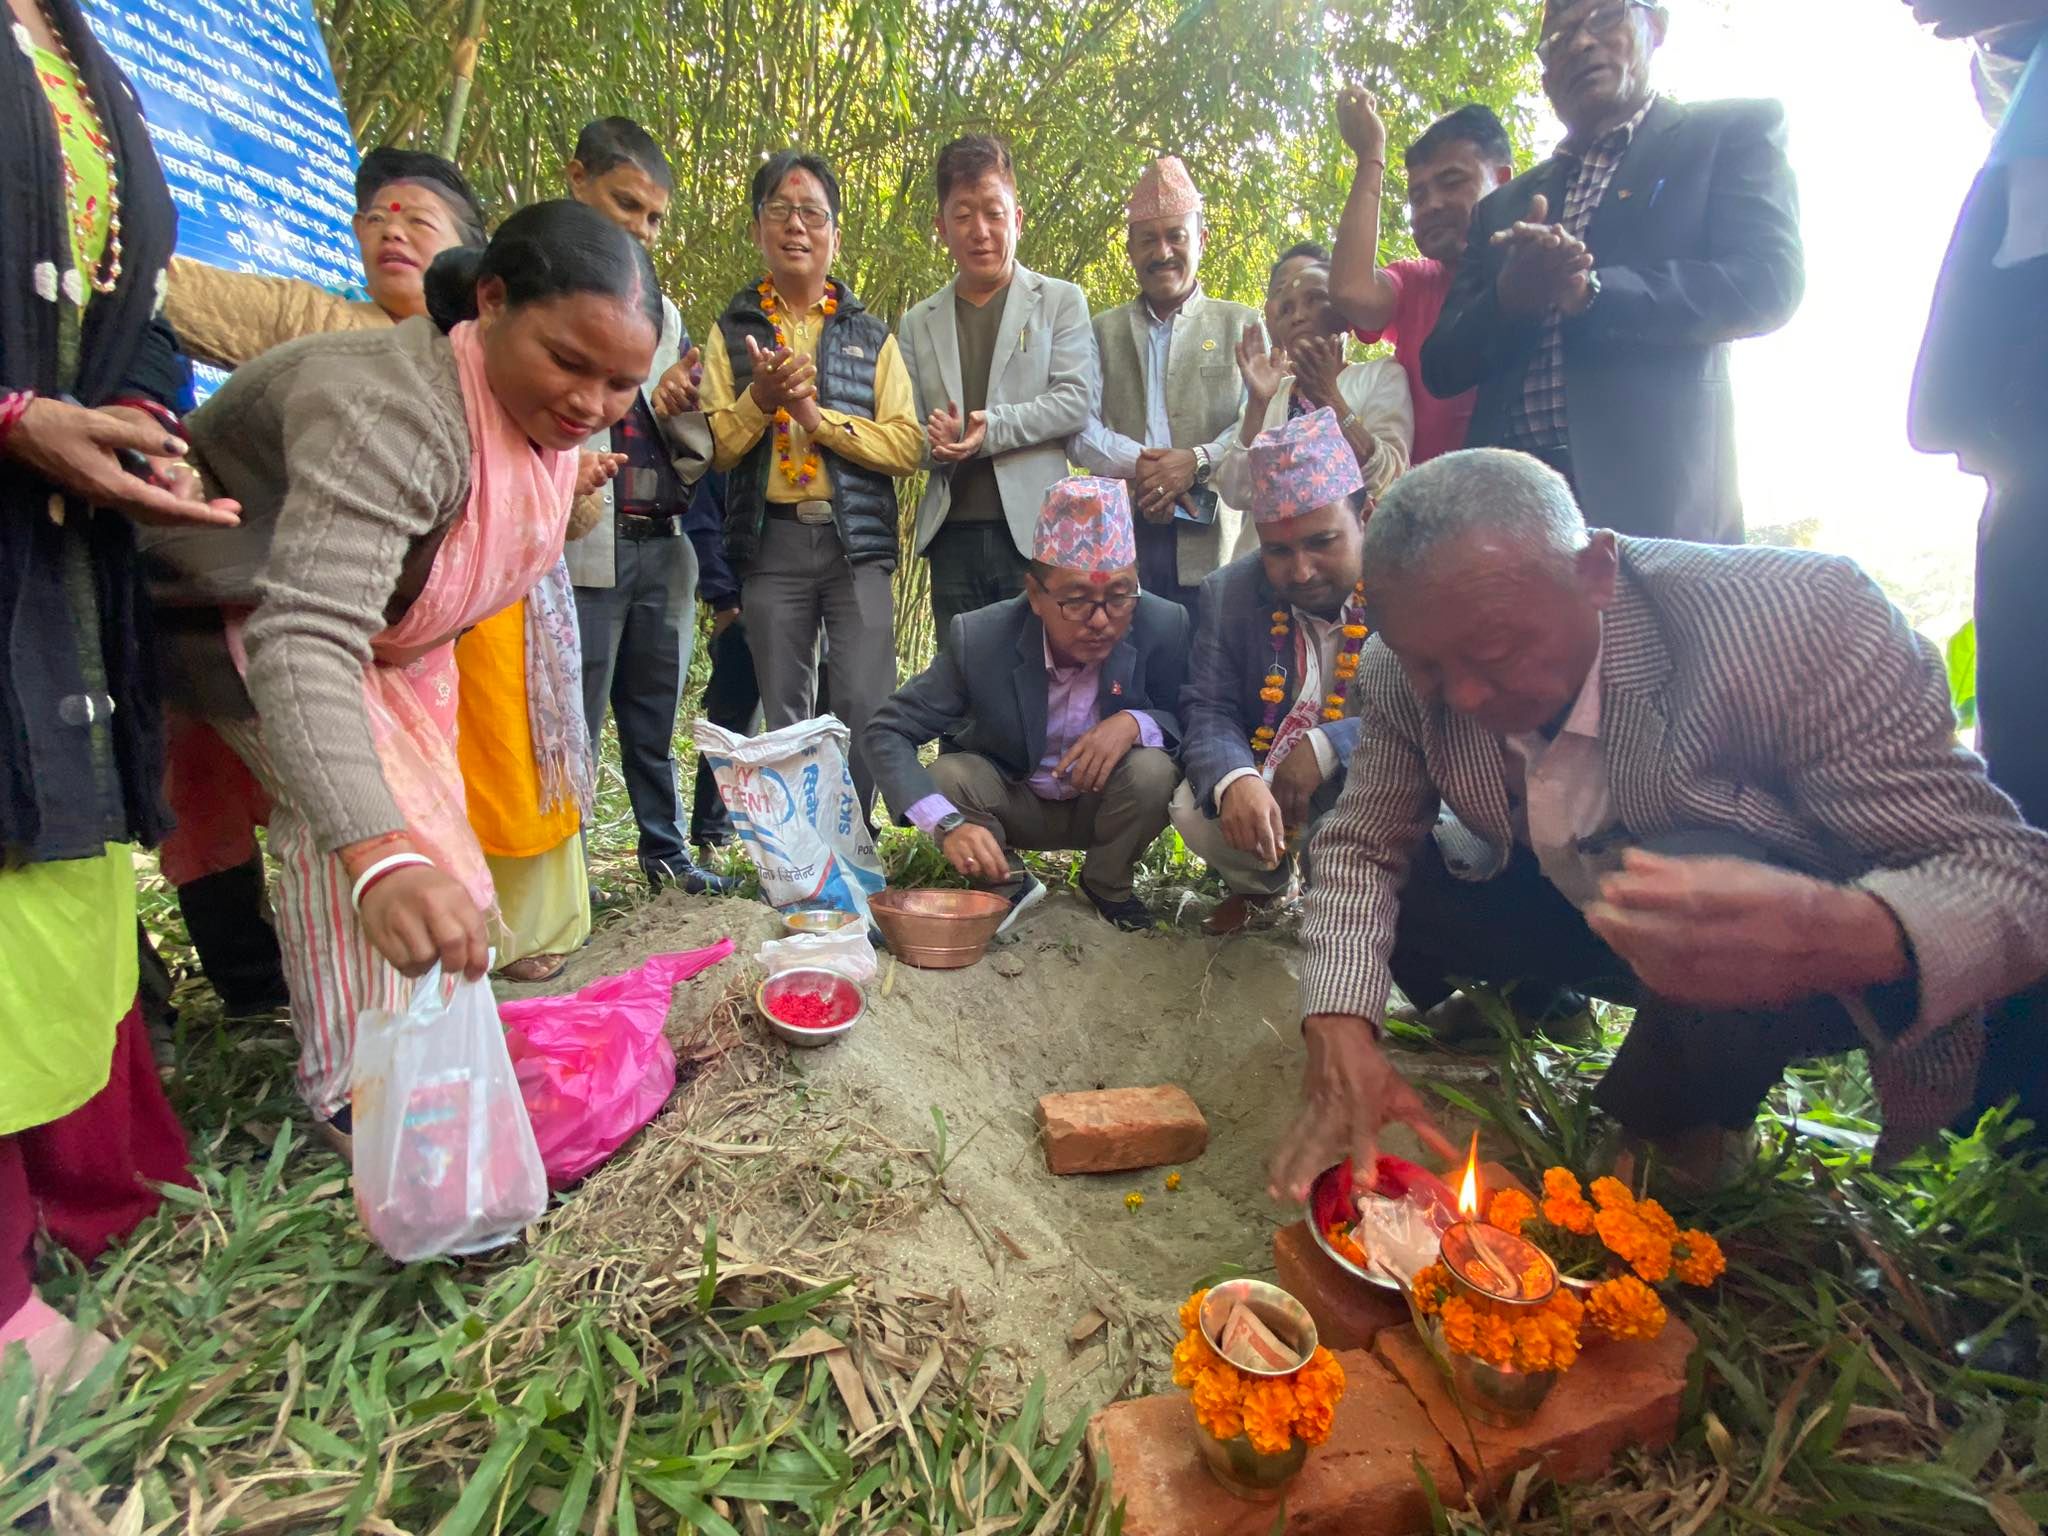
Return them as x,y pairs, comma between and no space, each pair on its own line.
1264,369
677,391
1358,119
1318,360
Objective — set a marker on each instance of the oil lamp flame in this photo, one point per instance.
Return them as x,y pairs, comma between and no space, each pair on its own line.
1468,1189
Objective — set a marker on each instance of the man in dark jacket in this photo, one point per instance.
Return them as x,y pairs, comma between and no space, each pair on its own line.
1600,290
811,413
1060,707
1268,711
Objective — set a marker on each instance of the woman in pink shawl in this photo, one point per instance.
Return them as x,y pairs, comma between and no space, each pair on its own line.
398,487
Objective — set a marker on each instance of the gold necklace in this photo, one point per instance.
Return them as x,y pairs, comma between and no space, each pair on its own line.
81,220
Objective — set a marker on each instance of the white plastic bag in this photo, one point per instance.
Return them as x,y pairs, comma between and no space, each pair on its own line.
793,804
845,950
445,1160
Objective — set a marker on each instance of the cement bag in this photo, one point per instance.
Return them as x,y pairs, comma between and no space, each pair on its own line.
847,951
793,805
595,1065
445,1160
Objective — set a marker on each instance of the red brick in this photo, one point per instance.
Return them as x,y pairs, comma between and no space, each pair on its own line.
1116,1129
1618,1394
1348,1312
1359,1482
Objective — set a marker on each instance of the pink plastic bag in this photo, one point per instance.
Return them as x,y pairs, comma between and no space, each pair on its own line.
594,1066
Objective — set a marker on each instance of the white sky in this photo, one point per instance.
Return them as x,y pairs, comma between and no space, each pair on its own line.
1885,137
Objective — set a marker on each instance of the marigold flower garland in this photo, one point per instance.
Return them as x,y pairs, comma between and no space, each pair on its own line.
796,474
1274,692
1271,1411
1613,1224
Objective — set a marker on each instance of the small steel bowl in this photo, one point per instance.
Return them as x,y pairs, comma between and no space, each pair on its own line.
816,917
809,981
1288,1318
938,930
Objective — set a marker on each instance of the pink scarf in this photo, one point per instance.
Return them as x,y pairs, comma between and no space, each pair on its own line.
506,537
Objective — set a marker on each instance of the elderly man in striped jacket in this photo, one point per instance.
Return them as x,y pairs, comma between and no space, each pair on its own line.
1722,785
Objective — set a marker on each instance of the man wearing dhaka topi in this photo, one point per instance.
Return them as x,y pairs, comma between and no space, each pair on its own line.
1269,715
1061,704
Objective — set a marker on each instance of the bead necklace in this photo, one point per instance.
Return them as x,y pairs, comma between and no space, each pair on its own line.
796,474
81,217
1274,693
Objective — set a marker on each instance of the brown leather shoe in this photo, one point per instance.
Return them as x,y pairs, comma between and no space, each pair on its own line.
535,968
1233,914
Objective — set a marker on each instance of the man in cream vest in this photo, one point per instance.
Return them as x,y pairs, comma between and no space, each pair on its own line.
999,363
1167,391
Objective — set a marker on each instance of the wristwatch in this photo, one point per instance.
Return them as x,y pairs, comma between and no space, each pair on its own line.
1204,466
1592,291
947,825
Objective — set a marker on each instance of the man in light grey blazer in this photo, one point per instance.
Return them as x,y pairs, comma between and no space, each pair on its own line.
1000,361
1720,784
1167,392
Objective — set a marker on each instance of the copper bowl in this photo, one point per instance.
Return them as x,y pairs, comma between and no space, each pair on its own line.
938,930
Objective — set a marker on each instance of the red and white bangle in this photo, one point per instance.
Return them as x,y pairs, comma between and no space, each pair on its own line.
166,417
379,870
13,406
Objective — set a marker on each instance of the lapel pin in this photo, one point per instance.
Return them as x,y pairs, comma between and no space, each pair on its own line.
1209,345
1622,194
1116,690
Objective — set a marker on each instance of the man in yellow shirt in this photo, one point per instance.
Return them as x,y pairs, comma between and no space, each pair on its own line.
811,414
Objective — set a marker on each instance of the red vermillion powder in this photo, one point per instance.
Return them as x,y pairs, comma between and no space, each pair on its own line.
810,1010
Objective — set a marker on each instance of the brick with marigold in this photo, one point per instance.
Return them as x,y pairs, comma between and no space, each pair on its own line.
1268,1412
1564,1204
1508,1209
1697,1259
1625,1308
1218,1397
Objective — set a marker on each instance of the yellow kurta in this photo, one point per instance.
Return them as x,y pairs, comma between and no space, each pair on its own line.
494,742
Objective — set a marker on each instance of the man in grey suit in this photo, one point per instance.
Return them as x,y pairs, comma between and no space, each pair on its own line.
999,362
1060,704
1278,634
1722,785
1167,390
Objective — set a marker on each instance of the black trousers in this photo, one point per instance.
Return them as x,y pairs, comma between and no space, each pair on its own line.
1159,562
1680,1067
732,698
2012,641
973,565
228,920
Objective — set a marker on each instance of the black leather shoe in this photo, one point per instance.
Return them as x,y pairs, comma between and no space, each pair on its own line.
687,878
1130,914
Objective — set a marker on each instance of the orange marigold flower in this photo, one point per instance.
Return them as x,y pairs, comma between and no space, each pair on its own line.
1218,1396
1495,1342
1268,1411
1509,1208
1610,1194
1173,1181
1698,1258
1271,695
1631,1239
1461,1325
1191,1357
1354,631
1657,1219
1625,1308
1431,1285
1191,1313
1339,1234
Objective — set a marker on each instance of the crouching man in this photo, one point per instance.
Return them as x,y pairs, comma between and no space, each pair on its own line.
1060,705
1719,784
1269,713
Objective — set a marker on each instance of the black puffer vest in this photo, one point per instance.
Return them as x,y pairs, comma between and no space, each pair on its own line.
863,500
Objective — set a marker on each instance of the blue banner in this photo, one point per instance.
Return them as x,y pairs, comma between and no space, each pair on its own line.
243,110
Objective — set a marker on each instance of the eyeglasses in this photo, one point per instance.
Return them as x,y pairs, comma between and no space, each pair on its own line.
1079,610
780,211
1599,21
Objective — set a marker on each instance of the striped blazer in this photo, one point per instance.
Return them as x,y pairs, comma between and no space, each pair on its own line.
1771,692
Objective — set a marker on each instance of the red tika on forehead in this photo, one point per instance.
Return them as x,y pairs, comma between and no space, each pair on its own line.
398,207
1098,577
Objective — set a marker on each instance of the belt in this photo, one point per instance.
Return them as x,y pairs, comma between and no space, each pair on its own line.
812,512
639,525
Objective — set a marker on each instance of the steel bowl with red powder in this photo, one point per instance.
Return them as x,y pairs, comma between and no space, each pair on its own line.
810,1006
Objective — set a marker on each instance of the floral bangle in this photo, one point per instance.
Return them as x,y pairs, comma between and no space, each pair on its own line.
165,417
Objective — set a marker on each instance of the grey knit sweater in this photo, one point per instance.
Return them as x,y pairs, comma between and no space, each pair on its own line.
350,456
